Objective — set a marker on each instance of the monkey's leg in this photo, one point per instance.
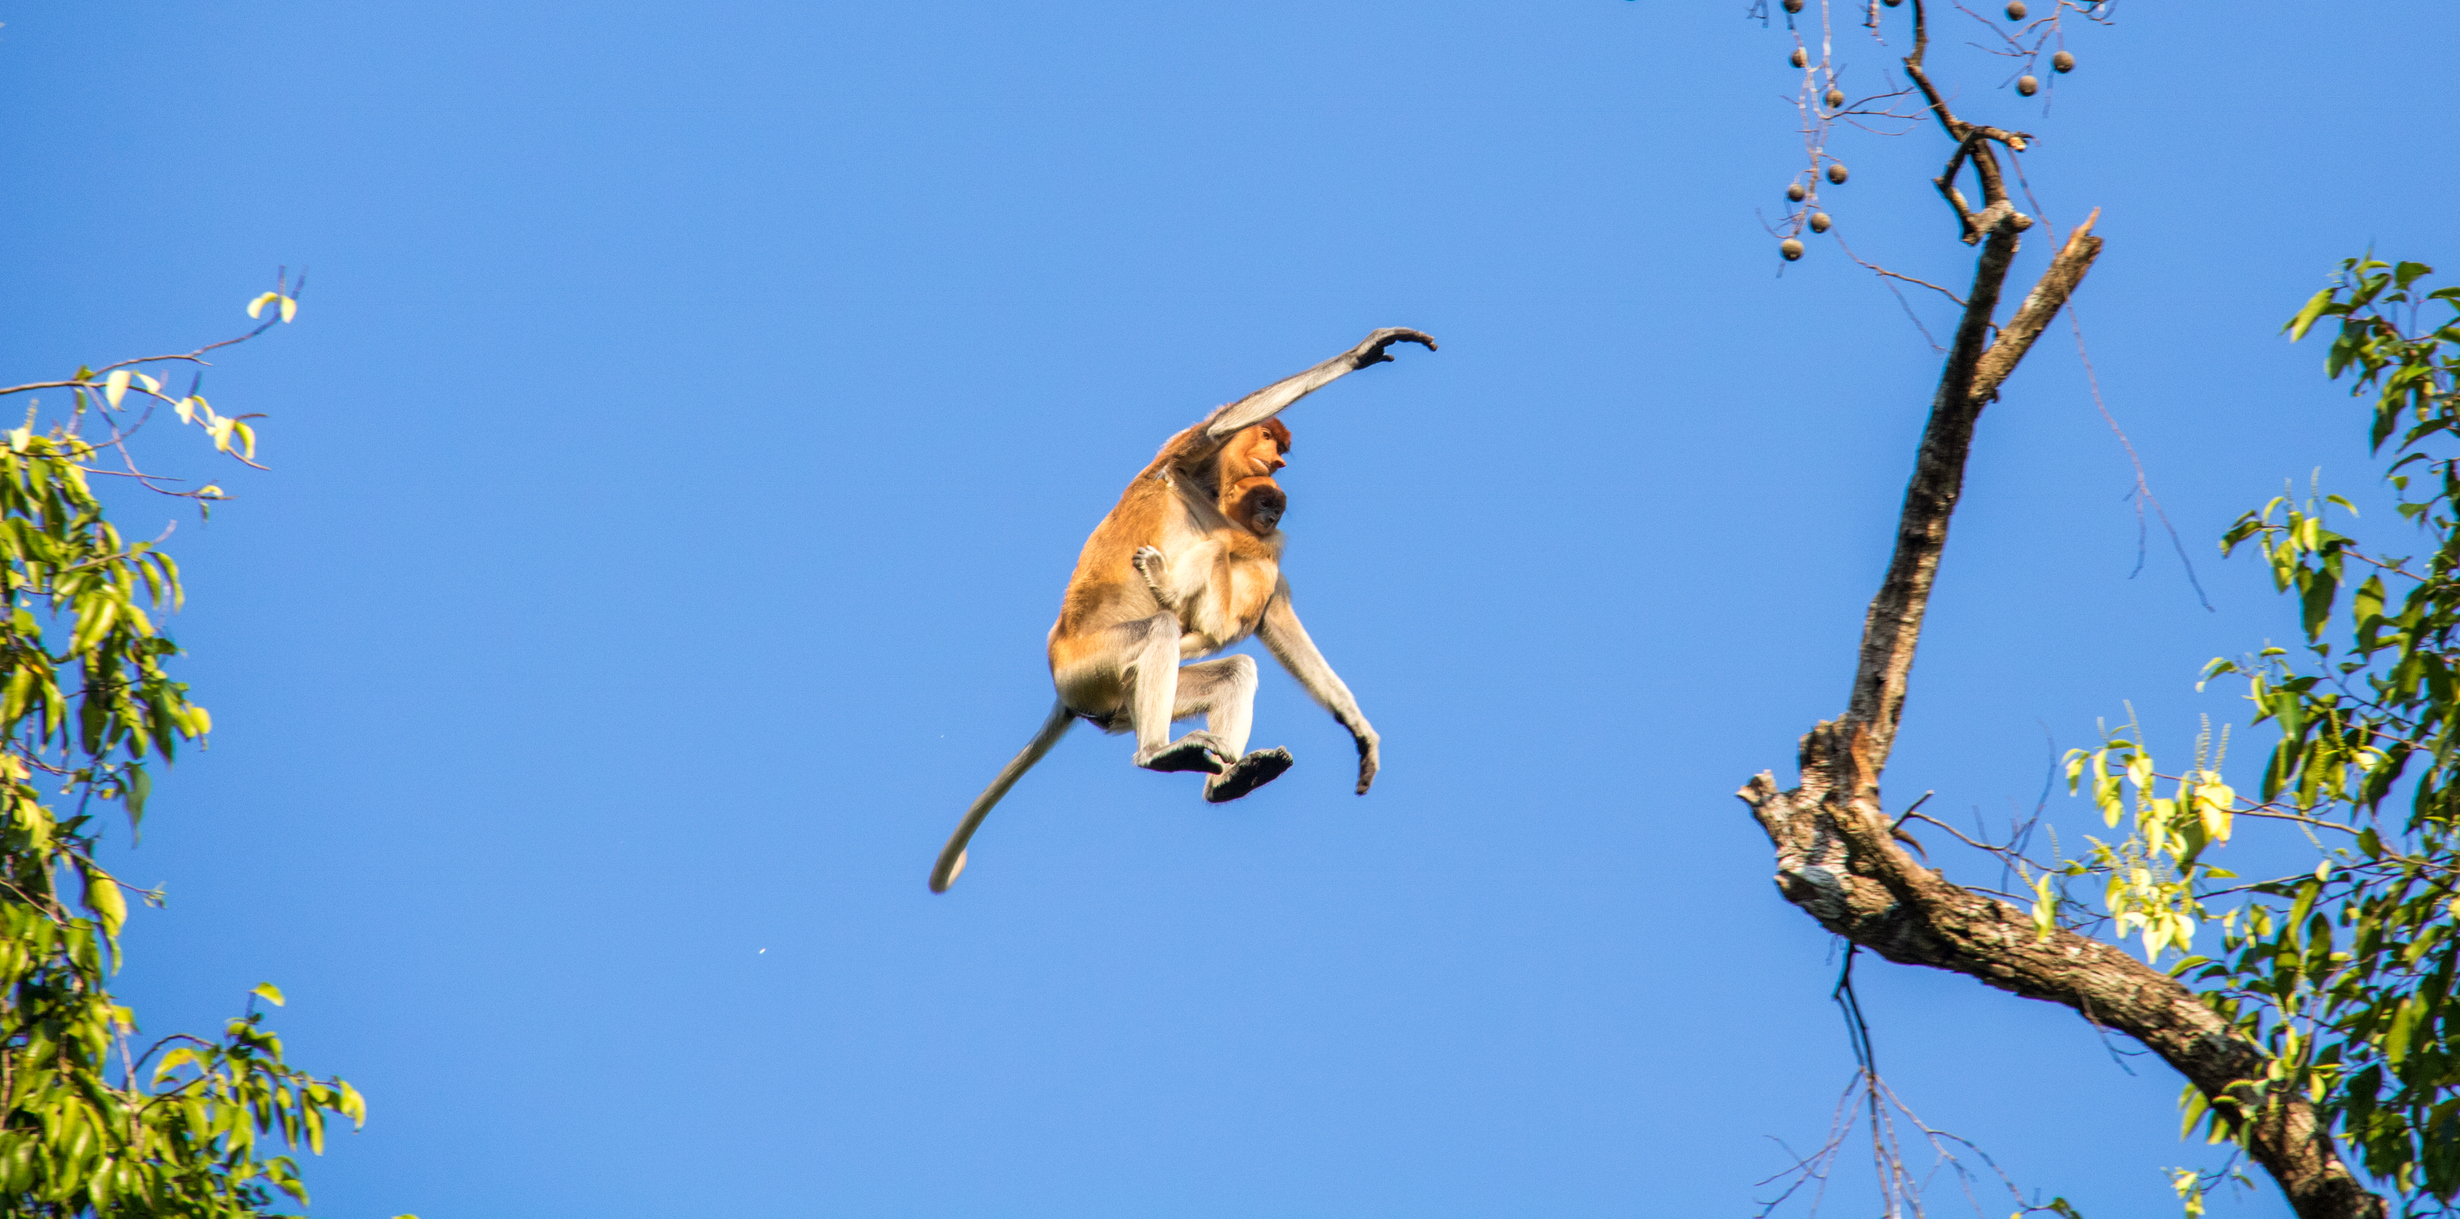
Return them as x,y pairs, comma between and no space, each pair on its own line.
952,856
1152,673
1224,692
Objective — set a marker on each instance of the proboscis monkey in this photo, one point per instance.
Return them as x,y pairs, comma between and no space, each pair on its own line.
1189,563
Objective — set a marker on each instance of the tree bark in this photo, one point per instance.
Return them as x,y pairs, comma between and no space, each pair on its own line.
1837,855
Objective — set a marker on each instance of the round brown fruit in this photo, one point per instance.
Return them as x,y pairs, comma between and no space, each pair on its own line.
1793,6
1795,192
2015,10
1819,222
1835,98
1791,248
2027,86
1894,3
1836,172
2062,62
1798,59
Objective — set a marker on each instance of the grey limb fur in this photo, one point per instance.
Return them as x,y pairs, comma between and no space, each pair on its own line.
952,856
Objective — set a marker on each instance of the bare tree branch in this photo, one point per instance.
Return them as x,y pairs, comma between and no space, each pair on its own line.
1837,857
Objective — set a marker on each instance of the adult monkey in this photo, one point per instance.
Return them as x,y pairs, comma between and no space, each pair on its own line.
1189,563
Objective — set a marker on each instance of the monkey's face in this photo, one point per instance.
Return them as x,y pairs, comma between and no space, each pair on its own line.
1249,495
1256,503
1255,452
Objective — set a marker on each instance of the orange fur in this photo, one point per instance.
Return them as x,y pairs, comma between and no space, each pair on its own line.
1210,509
1187,564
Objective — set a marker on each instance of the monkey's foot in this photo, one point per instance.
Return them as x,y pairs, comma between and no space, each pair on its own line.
1150,563
1247,774
1195,751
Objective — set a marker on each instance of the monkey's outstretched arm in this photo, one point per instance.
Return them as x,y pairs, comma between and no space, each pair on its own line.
952,856
1273,399
1290,645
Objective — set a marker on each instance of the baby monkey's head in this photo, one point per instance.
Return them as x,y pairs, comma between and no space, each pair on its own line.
1249,495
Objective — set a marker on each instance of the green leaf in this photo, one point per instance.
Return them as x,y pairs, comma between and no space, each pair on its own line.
136,787
268,992
2404,1027
102,897
2297,326
2316,604
2367,602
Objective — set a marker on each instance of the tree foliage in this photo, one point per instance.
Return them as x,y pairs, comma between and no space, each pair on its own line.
90,1125
2344,974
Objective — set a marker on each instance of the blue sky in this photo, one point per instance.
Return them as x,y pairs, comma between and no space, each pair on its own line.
694,412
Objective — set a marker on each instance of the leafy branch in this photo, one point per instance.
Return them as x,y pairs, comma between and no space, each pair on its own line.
88,706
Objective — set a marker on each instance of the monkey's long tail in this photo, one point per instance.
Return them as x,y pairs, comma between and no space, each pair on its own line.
952,856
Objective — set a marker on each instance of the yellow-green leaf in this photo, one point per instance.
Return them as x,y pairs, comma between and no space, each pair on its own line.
102,896
2298,325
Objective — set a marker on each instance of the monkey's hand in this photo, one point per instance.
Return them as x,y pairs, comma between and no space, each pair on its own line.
1372,351
1370,756
1153,567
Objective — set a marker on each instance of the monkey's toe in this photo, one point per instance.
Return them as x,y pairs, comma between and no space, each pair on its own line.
1191,752
1247,774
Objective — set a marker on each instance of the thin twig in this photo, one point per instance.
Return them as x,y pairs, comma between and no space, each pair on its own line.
1901,302
2269,815
2143,487
1984,847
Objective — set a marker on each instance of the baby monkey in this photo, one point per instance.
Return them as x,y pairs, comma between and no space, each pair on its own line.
1187,564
